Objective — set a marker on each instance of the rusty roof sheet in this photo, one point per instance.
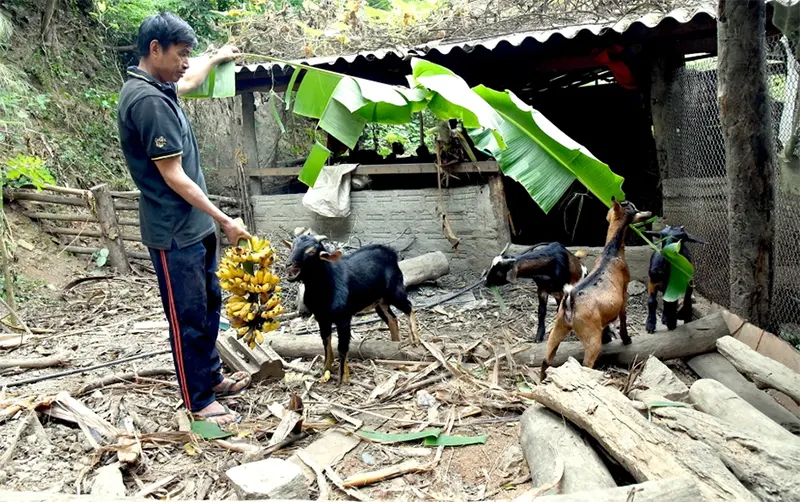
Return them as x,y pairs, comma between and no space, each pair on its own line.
649,21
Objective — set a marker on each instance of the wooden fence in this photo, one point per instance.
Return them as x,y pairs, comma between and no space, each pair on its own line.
113,216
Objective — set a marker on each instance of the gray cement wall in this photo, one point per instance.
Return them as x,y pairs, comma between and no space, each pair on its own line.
403,218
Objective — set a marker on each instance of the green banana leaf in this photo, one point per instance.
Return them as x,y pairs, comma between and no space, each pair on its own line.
220,83
681,272
314,162
541,157
453,99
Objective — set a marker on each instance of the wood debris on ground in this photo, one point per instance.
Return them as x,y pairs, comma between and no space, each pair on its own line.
439,421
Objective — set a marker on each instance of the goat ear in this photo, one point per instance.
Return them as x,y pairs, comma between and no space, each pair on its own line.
287,243
692,238
511,275
331,257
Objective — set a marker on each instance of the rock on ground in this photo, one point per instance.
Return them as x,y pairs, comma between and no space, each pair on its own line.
271,478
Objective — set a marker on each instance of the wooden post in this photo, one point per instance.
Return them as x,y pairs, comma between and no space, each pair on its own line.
107,216
661,81
744,112
497,196
250,142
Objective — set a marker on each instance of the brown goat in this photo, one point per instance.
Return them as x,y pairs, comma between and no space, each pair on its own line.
601,297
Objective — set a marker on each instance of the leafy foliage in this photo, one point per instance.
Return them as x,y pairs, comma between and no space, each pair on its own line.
26,170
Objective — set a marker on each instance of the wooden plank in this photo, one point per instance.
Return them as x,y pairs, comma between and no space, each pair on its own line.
42,197
60,216
84,250
88,233
250,142
135,194
486,167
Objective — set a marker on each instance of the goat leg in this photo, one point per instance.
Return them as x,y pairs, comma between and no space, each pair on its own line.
652,304
593,344
343,329
686,309
385,313
623,322
542,313
325,332
560,331
607,334
670,316
412,320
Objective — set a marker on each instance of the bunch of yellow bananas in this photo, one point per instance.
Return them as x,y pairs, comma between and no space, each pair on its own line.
244,271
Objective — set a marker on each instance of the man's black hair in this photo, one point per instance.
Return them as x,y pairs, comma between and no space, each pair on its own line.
167,28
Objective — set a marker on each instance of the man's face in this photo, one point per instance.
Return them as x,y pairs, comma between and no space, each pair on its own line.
172,63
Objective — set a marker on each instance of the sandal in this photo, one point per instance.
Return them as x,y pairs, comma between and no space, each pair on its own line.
236,378
226,411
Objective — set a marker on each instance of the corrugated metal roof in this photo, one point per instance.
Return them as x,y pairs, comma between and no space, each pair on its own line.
651,20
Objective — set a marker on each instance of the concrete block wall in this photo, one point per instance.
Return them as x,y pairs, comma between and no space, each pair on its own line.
403,218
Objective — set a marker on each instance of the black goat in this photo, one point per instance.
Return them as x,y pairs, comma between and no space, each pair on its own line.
337,288
550,265
659,278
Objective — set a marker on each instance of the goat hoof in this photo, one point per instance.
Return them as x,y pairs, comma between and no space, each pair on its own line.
650,327
538,340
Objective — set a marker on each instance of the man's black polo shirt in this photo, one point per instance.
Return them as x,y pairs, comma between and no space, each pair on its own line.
152,126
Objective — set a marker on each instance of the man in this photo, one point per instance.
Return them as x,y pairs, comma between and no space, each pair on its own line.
177,219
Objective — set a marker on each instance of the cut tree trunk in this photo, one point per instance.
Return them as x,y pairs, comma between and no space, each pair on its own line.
424,268
307,347
672,490
554,449
107,217
762,370
767,467
647,451
714,398
746,129
690,339
714,365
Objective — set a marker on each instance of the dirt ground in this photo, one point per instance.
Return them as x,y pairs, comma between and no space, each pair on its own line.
108,318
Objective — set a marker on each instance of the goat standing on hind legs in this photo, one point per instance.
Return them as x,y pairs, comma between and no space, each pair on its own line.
337,288
601,297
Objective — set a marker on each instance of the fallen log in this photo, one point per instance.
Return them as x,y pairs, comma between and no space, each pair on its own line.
416,271
647,451
672,489
550,443
690,339
710,396
424,268
766,466
714,365
762,370
307,347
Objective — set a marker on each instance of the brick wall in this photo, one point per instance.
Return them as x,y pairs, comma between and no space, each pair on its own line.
476,216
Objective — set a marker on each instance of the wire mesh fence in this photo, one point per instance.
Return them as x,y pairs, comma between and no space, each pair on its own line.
695,187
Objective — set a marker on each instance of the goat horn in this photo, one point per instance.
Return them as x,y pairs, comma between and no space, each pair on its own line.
321,238
505,249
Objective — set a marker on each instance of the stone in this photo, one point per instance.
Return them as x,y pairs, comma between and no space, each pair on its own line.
657,379
636,288
269,479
